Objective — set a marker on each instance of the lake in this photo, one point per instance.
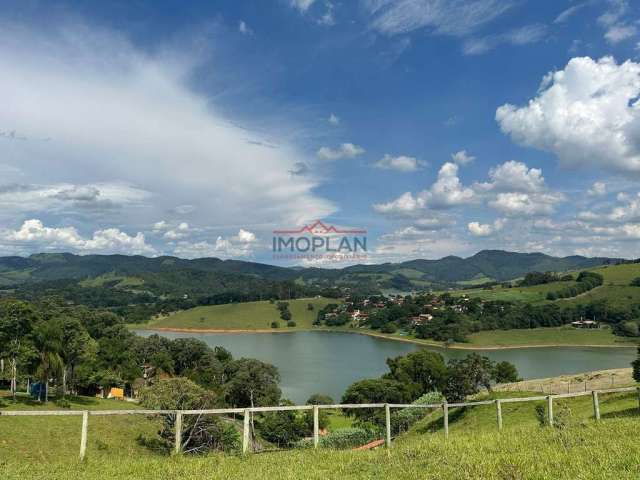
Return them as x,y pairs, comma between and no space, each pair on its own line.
328,362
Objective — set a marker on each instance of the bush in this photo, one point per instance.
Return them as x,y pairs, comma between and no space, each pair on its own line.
201,434
275,324
402,420
389,327
291,323
320,399
283,428
629,329
505,372
348,438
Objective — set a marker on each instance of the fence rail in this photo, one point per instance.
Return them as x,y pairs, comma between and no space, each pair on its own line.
315,408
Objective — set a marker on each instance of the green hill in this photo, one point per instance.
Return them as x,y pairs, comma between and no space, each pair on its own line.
488,264
243,316
616,289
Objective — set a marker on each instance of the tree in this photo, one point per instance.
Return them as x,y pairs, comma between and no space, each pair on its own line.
16,323
421,371
320,399
195,360
77,346
48,341
378,390
389,327
323,415
283,428
468,376
200,433
251,383
505,372
636,367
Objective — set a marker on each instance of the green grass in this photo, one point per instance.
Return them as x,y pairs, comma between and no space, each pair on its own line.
49,439
533,294
338,420
615,289
476,281
566,335
123,282
243,316
619,274
475,449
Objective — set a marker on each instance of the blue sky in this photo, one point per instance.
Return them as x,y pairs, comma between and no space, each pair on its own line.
441,126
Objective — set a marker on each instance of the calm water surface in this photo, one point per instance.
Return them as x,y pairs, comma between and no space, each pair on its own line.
328,362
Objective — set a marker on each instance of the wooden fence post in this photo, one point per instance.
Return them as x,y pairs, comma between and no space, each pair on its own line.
550,409
245,433
445,408
178,432
85,432
499,413
387,414
596,405
316,427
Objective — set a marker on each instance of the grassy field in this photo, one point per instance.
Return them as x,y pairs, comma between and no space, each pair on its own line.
533,294
615,289
582,449
47,439
566,335
118,280
243,316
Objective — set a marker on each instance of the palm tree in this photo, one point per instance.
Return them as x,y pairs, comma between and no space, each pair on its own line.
48,340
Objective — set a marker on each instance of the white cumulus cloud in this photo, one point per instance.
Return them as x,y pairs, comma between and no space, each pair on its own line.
587,113
110,240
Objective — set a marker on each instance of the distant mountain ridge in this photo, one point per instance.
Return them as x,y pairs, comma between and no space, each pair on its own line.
497,265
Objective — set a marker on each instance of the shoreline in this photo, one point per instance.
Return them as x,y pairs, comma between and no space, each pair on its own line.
426,343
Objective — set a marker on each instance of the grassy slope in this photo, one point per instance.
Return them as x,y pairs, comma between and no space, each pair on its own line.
474,449
242,316
566,335
533,294
58,438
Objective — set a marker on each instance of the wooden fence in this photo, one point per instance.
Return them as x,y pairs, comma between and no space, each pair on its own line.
179,414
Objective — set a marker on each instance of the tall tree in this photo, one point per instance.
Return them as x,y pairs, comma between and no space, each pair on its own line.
251,383
16,323
48,340
77,346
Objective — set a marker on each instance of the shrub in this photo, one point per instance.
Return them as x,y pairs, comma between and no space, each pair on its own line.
348,438
389,327
291,323
275,324
201,433
283,428
402,420
505,372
